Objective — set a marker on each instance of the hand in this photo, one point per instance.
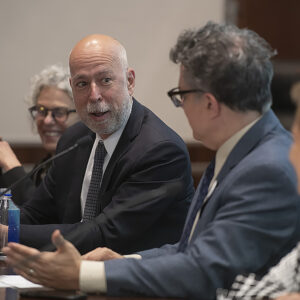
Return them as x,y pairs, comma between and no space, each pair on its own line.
293,296
58,269
101,254
8,159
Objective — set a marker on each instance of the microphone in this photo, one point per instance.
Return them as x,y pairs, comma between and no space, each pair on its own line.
79,142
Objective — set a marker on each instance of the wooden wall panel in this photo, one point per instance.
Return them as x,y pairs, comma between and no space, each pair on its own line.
276,20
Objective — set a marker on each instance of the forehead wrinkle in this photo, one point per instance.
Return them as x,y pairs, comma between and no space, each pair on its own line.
87,61
84,75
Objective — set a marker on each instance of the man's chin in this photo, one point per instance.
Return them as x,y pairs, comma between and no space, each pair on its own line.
104,130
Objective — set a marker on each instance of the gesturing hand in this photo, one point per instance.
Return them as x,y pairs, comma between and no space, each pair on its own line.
59,269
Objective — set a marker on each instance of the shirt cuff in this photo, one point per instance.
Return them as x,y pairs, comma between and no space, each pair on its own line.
136,256
92,277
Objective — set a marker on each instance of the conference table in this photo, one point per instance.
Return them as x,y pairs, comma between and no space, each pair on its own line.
14,293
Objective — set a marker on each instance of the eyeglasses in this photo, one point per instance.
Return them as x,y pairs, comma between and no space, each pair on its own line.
178,101
59,114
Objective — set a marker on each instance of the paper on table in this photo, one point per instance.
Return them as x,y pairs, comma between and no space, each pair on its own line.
16,281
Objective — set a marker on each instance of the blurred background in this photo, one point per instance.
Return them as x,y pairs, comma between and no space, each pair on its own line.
38,33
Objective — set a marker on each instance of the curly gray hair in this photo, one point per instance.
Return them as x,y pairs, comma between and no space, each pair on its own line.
54,76
231,63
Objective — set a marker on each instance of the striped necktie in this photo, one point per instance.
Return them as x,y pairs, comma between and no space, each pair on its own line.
92,205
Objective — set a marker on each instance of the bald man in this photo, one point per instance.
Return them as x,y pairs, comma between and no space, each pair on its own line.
113,190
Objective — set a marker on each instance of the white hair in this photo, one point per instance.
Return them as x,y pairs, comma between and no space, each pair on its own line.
53,76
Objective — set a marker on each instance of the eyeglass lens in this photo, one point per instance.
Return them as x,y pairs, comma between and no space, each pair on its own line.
60,114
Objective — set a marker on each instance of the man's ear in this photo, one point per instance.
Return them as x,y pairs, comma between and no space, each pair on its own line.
213,105
130,81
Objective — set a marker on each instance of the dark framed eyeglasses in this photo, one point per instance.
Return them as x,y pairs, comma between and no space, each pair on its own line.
176,95
59,114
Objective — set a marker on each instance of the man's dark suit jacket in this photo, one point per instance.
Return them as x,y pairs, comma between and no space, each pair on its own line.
148,155
249,222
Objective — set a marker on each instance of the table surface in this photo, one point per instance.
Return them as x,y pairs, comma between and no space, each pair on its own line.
14,293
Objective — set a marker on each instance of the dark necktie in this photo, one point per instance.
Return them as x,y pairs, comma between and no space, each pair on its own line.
203,190
92,202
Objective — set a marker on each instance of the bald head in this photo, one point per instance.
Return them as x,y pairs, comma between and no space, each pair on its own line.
98,45
102,83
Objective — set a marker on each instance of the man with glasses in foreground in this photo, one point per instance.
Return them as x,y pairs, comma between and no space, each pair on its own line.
245,212
52,113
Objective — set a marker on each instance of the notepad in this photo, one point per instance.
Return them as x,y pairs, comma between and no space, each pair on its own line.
16,281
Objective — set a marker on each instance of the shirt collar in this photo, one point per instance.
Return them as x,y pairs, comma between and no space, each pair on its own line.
224,151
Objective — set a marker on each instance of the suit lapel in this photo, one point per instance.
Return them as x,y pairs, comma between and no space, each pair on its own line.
131,130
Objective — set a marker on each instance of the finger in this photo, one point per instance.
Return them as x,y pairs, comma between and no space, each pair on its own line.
20,255
19,263
92,255
60,243
13,258
22,249
31,277
57,239
5,249
85,256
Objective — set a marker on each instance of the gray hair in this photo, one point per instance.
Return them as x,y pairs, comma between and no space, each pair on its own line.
54,76
231,63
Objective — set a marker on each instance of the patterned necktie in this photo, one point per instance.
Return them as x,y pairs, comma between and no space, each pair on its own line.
207,177
92,202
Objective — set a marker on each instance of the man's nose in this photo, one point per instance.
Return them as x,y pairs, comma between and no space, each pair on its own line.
95,94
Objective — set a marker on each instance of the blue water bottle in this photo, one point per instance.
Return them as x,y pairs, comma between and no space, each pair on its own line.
13,216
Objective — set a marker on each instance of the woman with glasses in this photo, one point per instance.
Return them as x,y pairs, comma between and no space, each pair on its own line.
52,111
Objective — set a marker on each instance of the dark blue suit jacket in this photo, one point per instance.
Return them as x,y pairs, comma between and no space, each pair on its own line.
148,155
250,221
